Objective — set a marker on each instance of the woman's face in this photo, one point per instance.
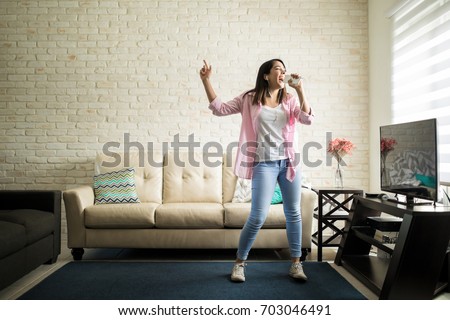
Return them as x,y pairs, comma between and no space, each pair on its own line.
276,76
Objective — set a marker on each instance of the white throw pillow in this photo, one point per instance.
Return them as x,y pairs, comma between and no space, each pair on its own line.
242,191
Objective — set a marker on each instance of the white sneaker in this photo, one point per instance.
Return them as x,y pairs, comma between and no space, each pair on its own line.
237,274
296,271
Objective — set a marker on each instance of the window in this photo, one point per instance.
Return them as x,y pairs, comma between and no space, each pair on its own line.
421,68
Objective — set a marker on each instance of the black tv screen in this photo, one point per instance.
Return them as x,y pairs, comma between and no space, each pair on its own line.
409,159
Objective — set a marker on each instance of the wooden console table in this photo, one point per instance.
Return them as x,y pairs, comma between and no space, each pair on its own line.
326,219
415,269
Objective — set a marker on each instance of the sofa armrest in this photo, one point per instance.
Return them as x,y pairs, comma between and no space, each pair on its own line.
43,200
75,201
308,204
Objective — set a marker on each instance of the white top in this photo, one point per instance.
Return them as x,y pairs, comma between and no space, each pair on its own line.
271,122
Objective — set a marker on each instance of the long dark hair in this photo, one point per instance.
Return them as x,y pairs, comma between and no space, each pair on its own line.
261,88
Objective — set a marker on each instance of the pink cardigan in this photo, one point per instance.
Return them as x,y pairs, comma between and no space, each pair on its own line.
245,156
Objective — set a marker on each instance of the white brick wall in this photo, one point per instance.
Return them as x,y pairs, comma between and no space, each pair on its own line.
77,74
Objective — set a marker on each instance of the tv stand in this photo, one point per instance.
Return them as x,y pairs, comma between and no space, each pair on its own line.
411,203
415,269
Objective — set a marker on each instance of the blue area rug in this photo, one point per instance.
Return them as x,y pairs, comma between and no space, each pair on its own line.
190,281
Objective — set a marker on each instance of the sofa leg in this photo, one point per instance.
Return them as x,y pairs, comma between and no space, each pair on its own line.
77,253
304,254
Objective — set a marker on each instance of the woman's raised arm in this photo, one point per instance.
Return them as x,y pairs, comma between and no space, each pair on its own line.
205,73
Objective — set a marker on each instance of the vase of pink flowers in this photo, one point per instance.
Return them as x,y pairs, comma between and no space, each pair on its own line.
386,146
339,148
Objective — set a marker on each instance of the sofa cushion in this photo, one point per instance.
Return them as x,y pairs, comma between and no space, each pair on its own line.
121,216
189,215
188,177
236,215
115,187
12,238
38,224
148,168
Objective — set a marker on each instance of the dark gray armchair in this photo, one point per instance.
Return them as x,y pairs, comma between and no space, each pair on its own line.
30,231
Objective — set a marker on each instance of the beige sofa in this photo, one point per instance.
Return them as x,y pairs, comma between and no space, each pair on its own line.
186,202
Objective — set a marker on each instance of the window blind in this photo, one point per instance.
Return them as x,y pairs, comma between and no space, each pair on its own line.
421,69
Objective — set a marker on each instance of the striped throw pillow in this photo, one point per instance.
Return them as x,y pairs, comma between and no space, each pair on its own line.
115,187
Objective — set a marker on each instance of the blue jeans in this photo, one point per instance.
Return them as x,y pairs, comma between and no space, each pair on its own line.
265,177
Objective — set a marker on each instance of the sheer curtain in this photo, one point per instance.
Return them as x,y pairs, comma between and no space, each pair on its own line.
421,68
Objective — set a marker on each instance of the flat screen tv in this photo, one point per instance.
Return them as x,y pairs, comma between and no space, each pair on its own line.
409,160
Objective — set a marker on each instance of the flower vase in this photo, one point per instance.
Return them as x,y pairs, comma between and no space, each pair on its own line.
385,178
338,177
